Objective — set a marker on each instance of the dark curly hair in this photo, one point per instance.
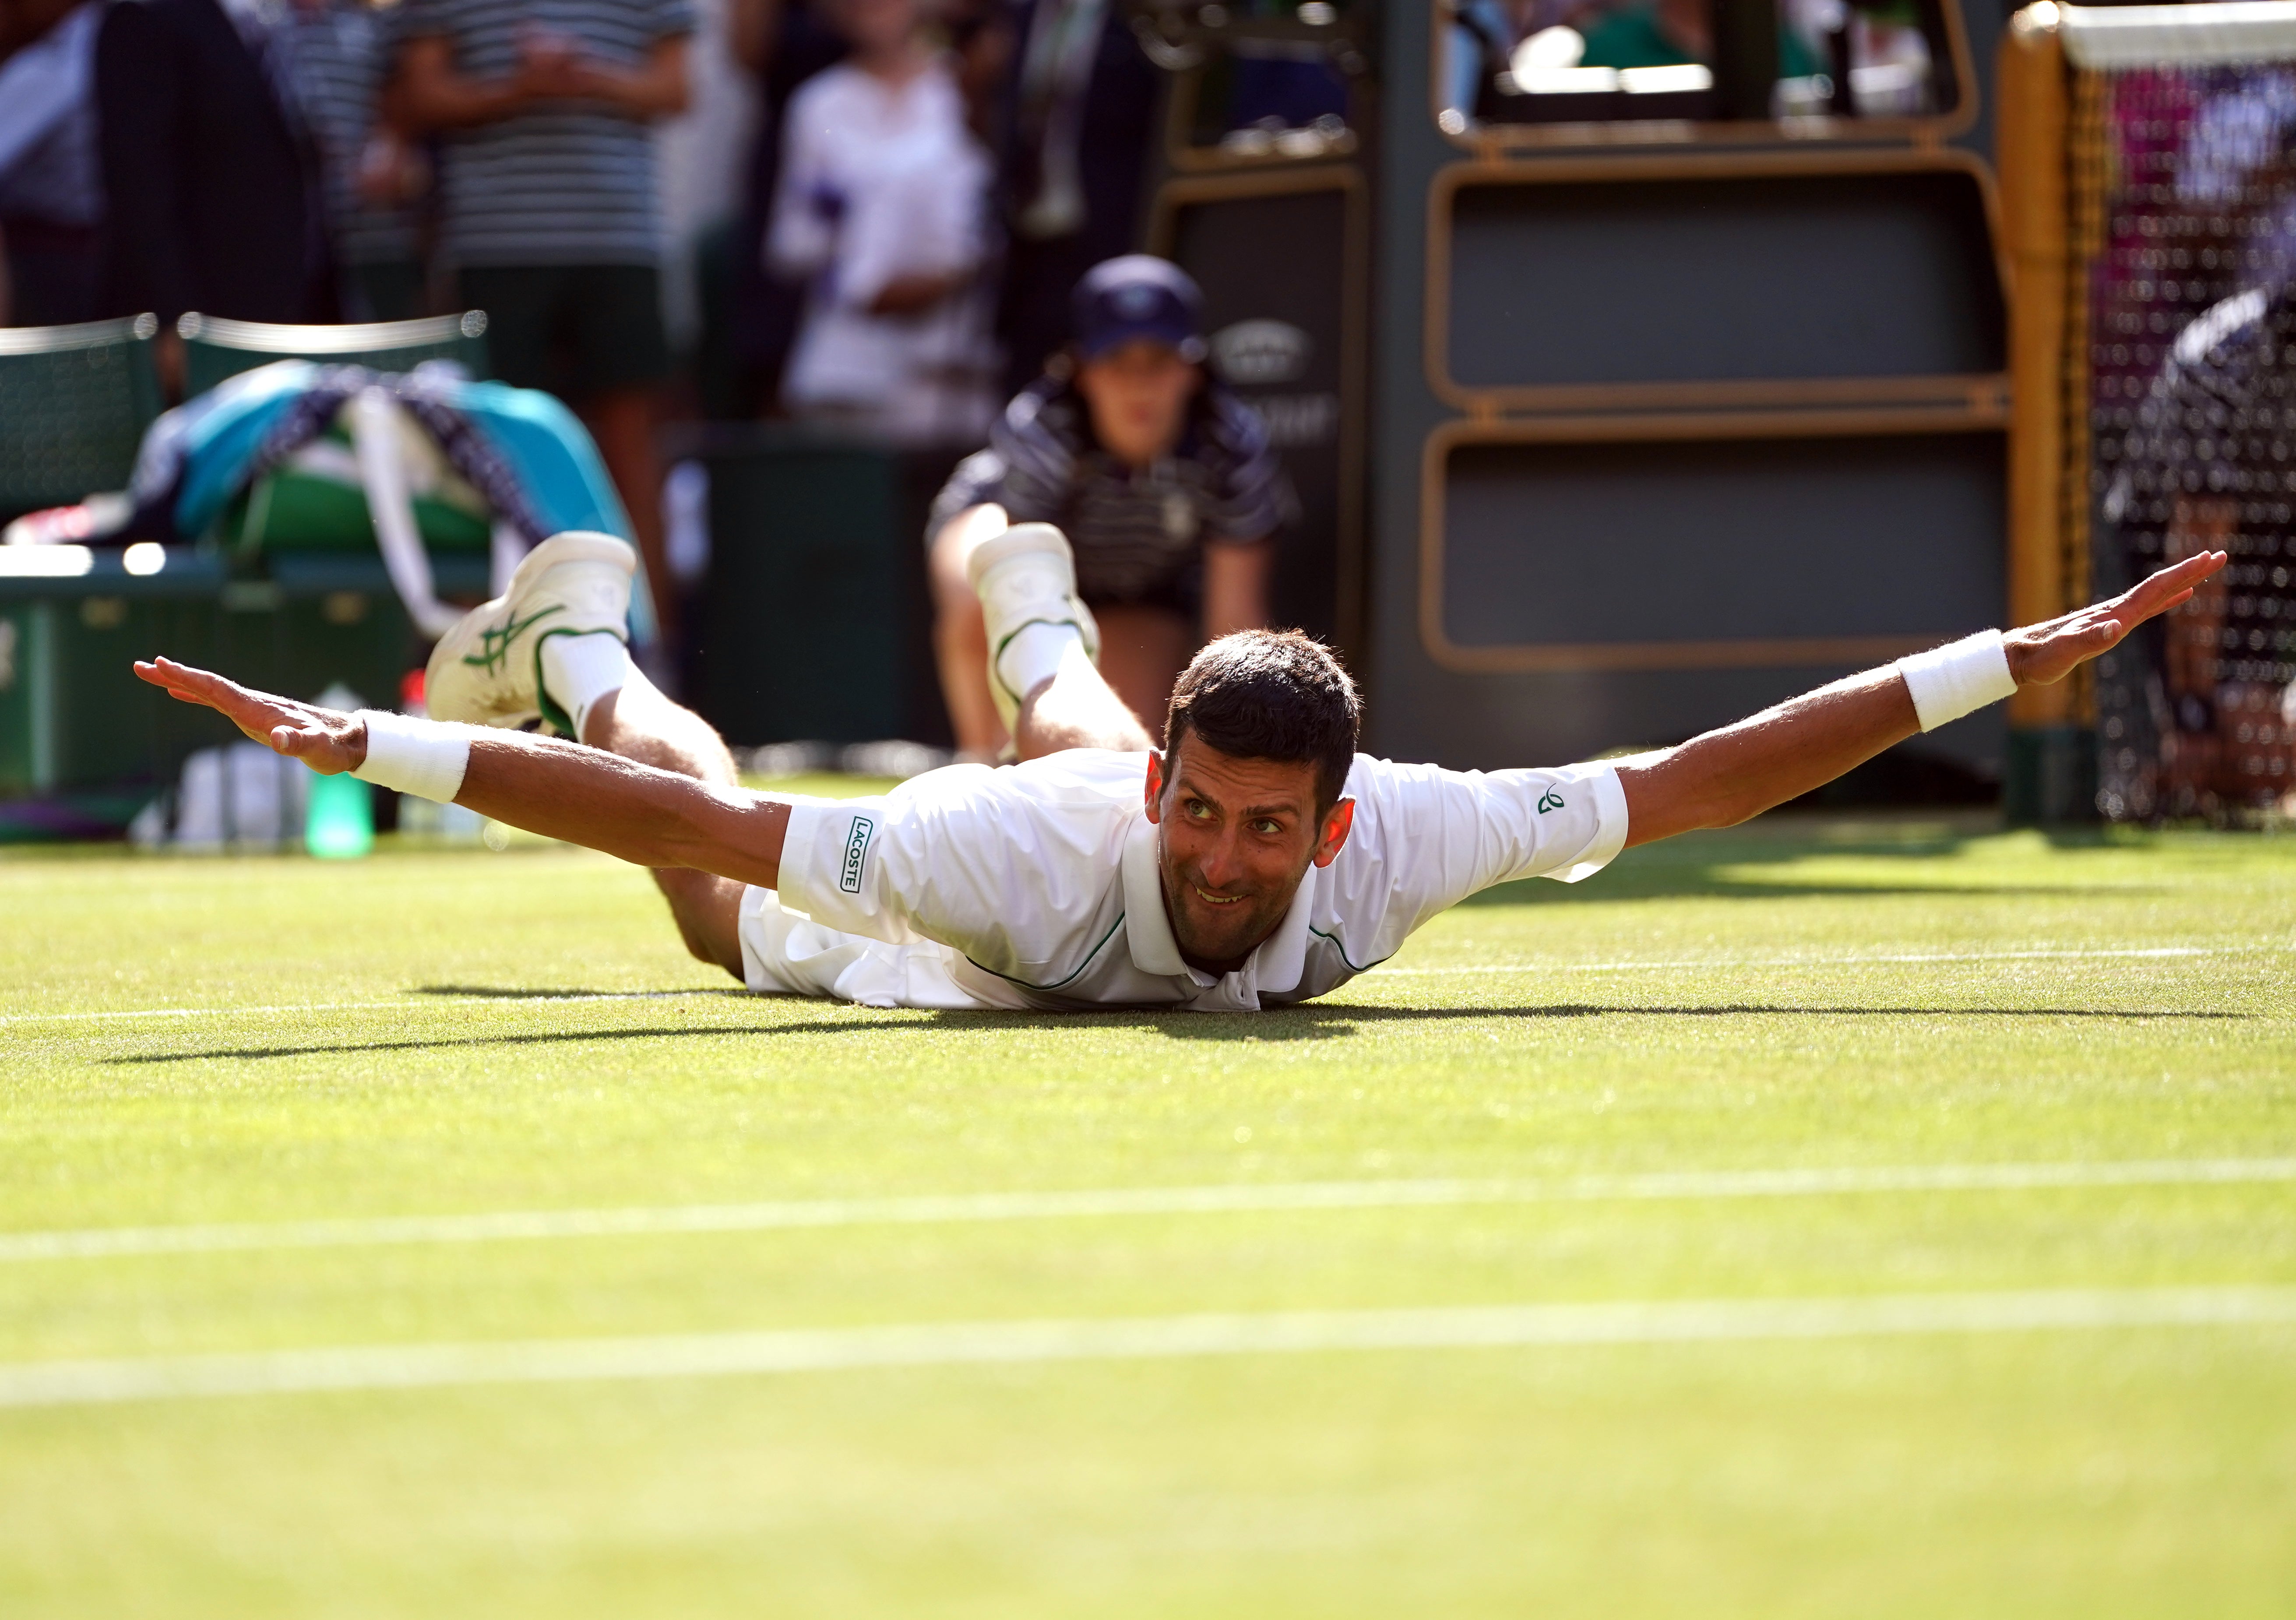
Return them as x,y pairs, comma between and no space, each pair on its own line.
1271,694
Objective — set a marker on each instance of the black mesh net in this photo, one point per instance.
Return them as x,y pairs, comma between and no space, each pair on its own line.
2185,193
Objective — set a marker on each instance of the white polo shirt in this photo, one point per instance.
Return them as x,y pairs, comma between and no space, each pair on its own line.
1035,886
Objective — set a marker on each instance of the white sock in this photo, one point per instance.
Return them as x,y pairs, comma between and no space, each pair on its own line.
577,670
1035,656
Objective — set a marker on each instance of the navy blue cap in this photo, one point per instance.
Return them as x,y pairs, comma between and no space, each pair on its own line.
1139,296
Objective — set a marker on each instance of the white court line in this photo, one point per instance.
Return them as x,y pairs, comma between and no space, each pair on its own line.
78,1383
440,1000
990,1206
1527,967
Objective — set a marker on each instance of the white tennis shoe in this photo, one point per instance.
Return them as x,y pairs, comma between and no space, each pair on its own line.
1026,576
487,669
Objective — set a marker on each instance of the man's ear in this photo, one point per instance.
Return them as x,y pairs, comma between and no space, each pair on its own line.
1336,828
1155,785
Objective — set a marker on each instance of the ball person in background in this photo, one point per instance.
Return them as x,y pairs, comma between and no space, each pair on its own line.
1162,480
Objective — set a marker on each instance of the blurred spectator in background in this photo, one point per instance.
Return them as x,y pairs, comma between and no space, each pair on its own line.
1278,85
2204,468
783,43
884,206
1483,35
980,37
1675,33
1162,480
1656,34
50,185
208,169
702,156
548,212
1082,125
338,52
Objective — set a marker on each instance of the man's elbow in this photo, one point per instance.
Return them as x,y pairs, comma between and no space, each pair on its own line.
1727,805
1705,812
1711,794
716,830
691,838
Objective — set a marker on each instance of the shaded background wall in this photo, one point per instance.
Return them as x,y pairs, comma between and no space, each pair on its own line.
1663,434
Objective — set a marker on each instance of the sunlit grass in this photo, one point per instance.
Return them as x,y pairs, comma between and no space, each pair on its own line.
393,1037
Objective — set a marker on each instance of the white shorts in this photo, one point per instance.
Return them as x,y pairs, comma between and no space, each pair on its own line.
785,955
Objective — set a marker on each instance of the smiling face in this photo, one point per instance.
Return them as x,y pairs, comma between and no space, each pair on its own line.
1234,836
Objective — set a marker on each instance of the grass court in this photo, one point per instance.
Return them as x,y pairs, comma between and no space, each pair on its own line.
1889,1217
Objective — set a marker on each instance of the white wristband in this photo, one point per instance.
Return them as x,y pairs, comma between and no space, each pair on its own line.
1957,678
417,756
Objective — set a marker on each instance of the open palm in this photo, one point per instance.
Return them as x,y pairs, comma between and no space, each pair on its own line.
2042,654
328,741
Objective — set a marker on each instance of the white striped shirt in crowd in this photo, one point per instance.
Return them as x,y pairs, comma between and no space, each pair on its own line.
570,186
338,55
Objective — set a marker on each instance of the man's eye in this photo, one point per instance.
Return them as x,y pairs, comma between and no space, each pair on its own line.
1266,827
1200,810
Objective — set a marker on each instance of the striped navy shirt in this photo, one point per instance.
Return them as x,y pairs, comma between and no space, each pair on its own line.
1138,536
338,54
552,187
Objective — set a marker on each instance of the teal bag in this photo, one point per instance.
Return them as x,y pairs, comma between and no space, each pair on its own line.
204,454
266,461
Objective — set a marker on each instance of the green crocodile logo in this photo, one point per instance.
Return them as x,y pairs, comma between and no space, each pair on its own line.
494,645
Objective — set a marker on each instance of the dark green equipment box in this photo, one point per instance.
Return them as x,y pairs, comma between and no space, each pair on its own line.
815,624
79,731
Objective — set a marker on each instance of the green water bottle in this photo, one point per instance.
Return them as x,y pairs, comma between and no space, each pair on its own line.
338,816
338,822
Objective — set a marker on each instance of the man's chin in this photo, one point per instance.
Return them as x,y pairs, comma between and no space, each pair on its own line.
1225,938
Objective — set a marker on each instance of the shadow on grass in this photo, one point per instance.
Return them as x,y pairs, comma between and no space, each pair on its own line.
1708,883
506,993
1284,1025
1720,879
1713,866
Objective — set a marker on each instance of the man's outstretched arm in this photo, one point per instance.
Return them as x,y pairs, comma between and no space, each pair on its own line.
1729,775
581,795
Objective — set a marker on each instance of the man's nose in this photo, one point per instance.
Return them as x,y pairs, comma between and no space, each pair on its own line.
1219,862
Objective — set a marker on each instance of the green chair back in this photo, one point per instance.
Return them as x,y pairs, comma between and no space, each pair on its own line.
74,403
215,348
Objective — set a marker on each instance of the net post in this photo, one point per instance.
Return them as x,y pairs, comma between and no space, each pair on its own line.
2043,781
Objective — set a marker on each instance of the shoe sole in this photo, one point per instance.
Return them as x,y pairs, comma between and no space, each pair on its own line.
1021,540
574,547
1029,540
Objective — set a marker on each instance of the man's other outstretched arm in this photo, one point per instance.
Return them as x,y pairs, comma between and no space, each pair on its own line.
560,790
1730,775
1734,773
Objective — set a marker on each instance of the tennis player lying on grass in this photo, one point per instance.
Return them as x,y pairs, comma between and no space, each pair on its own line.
1258,860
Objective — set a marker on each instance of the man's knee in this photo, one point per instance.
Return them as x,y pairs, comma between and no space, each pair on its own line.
952,591
640,722
1066,713
708,912
719,950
